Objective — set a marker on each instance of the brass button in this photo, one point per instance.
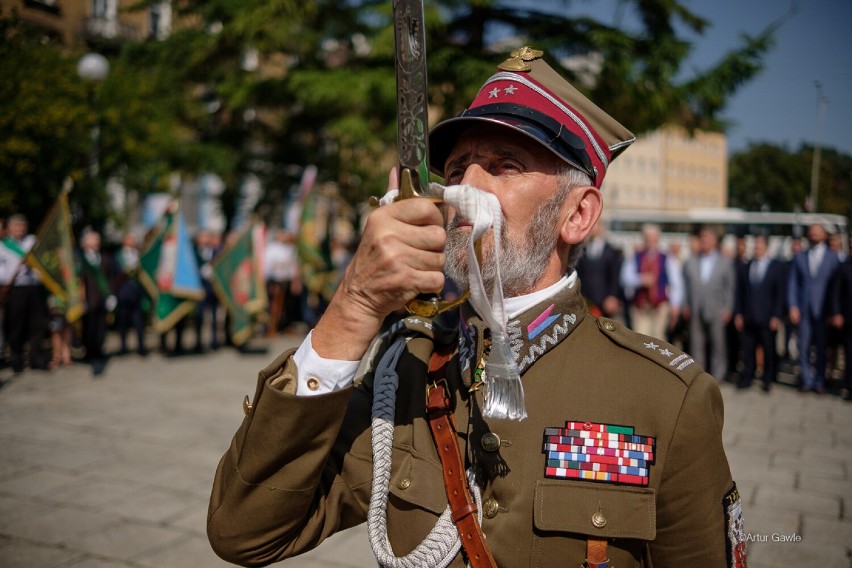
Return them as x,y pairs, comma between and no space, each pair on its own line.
609,326
313,383
246,405
491,442
404,483
490,507
599,520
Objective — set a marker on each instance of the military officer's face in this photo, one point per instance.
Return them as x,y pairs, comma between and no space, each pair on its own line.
507,164
525,180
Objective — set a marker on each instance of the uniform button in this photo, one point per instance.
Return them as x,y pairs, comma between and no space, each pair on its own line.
599,520
490,507
491,442
313,383
404,483
609,326
246,405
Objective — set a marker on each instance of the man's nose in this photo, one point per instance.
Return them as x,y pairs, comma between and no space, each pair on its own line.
476,176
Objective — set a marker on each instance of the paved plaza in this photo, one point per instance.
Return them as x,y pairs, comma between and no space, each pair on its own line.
115,470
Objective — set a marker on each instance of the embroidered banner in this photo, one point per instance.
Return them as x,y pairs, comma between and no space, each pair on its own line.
735,538
598,452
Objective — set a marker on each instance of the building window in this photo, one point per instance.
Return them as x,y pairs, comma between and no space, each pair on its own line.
160,20
99,8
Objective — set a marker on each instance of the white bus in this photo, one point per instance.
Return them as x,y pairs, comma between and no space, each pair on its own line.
625,227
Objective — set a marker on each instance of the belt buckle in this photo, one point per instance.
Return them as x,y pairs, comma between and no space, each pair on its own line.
430,386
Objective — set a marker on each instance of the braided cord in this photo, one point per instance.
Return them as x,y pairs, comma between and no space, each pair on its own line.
442,543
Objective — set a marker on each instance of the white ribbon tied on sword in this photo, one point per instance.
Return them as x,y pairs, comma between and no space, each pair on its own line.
504,392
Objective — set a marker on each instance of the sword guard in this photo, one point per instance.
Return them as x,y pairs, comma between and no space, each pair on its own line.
409,185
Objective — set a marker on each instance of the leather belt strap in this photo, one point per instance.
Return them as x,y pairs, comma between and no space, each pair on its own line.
444,433
596,556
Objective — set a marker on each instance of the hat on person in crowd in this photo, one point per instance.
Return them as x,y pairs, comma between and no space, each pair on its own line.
529,97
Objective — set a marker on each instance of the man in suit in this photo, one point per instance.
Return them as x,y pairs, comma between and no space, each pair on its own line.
25,320
807,295
302,466
841,316
599,270
758,311
207,245
100,303
710,282
130,294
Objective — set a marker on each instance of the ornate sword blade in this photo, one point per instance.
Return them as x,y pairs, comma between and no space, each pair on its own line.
411,96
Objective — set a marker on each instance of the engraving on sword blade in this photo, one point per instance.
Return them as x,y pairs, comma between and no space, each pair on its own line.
411,86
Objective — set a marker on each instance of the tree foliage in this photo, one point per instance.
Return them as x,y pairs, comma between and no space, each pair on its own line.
56,126
324,89
43,116
266,87
767,177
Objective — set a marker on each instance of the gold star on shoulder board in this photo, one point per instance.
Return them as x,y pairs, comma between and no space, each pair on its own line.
519,60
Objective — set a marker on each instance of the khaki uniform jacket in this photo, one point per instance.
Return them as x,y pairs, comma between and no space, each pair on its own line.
299,468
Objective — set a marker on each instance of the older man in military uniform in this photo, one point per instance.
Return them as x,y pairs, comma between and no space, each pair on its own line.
620,459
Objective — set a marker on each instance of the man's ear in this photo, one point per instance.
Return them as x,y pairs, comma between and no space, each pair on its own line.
583,207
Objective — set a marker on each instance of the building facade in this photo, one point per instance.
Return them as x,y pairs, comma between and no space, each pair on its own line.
669,170
93,22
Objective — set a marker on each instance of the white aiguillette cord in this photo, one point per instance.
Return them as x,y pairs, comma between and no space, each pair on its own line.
504,392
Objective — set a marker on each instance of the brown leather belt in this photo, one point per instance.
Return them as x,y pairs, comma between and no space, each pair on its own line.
443,427
596,556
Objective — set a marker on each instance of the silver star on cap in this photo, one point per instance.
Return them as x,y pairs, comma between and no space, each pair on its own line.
666,352
651,345
510,90
493,93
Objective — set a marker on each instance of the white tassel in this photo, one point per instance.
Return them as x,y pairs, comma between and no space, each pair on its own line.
504,394
504,391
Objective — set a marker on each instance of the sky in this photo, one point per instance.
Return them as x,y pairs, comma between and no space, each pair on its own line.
779,105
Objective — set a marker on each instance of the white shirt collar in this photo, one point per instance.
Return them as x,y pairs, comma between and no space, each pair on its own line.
519,304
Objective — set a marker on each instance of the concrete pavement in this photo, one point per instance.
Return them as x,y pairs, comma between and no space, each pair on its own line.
115,470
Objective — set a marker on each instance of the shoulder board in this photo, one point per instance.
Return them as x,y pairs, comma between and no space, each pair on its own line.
664,354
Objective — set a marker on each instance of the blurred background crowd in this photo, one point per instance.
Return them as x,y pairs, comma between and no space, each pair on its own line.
746,307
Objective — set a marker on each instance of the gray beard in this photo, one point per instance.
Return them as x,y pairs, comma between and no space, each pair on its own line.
522,261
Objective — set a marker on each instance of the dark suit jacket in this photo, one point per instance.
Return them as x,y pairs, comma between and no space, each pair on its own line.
600,276
96,286
759,302
840,296
809,293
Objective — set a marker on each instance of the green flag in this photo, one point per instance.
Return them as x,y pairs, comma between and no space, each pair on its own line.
239,282
52,256
168,270
313,243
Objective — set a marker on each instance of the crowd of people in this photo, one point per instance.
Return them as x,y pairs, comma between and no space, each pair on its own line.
740,313
36,332
739,316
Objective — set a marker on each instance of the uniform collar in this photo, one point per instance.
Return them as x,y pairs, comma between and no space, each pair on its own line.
532,332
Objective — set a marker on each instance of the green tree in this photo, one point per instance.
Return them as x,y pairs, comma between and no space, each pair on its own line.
57,126
767,177
323,92
43,117
265,87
